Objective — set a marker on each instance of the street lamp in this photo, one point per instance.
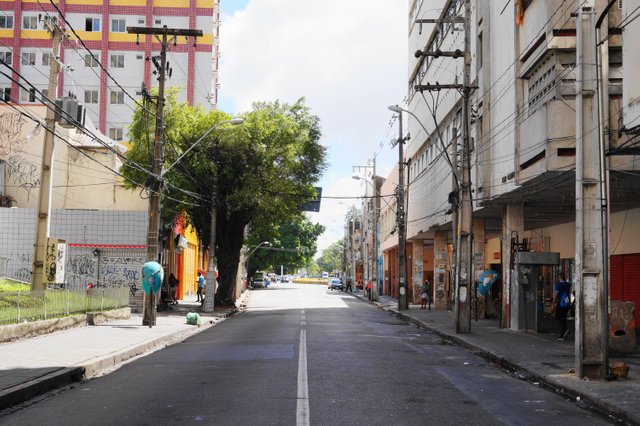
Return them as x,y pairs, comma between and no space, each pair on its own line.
251,253
403,302
373,268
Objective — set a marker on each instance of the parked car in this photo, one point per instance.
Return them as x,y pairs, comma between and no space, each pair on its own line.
335,283
259,280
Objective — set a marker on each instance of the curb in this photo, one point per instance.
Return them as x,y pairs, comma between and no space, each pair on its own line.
97,367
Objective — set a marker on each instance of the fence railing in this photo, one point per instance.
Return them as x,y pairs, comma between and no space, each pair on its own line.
27,306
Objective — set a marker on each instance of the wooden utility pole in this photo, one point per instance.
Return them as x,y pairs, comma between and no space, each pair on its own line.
153,253
464,269
44,201
591,290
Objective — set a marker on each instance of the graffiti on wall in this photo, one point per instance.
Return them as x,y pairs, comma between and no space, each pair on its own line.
23,173
108,271
11,139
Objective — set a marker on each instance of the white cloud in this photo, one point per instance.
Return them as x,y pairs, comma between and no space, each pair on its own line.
346,57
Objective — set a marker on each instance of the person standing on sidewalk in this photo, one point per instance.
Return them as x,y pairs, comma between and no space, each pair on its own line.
424,295
200,287
562,304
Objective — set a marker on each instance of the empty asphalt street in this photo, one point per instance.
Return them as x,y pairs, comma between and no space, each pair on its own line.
303,354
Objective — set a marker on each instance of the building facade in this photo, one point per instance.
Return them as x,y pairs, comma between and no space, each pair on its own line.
103,65
523,148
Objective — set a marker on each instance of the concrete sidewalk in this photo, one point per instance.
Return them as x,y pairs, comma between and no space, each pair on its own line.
30,367
538,358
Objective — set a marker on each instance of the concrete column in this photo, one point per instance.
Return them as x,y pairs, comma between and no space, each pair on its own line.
512,224
441,284
478,266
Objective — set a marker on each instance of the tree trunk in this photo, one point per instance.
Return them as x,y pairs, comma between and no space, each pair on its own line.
229,239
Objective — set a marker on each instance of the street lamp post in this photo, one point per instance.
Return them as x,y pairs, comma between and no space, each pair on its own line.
403,301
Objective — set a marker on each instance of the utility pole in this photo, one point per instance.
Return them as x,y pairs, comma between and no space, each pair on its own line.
591,344
376,212
403,301
44,201
153,253
464,268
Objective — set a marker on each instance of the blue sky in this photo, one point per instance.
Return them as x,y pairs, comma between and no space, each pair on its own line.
347,58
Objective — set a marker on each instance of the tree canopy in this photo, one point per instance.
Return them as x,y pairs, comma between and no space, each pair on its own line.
258,172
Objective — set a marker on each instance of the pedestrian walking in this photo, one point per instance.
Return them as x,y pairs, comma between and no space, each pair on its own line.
424,295
200,287
562,304
349,287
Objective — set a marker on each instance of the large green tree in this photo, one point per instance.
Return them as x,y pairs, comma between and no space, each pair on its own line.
331,258
292,243
256,172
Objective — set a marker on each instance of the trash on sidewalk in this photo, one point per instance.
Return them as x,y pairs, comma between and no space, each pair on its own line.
620,369
194,319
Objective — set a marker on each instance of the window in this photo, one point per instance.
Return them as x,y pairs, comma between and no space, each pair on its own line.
28,58
5,93
29,22
117,61
116,133
28,95
117,97
141,21
46,59
90,61
6,22
44,96
92,24
6,57
90,96
118,26
158,21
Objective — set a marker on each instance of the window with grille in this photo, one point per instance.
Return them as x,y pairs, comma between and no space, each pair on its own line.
28,58
117,61
29,22
6,57
90,61
92,24
117,97
27,95
6,22
5,93
116,133
90,96
118,25
46,59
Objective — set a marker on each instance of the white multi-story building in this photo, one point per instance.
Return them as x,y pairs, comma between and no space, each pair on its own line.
523,150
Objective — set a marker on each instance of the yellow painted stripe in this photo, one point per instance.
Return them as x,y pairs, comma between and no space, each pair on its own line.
86,2
34,34
171,3
128,2
205,4
6,33
90,35
124,37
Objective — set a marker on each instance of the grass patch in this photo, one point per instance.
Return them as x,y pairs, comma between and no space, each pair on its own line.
7,285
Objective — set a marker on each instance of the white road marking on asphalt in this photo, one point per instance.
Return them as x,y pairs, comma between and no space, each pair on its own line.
302,409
